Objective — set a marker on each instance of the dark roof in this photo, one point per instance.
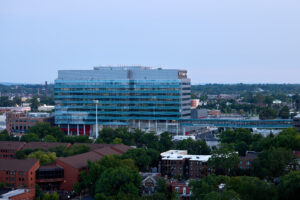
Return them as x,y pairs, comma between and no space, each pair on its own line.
93,146
107,151
80,161
121,148
18,165
98,151
43,145
11,145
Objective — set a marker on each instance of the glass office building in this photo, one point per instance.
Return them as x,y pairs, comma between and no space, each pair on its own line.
137,97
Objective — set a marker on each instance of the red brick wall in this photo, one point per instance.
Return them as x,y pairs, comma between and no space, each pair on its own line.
71,176
20,179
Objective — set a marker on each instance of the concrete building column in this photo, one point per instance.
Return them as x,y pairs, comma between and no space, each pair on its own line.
77,129
84,129
149,125
68,129
139,124
156,126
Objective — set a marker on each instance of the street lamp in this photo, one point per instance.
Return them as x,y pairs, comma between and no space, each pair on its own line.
96,102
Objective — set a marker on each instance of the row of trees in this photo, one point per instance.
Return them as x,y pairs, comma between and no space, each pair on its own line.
245,188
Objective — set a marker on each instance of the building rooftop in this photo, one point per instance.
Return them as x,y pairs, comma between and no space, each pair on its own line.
81,160
122,73
12,193
173,152
100,150
11,145
182,154
17,165
43,145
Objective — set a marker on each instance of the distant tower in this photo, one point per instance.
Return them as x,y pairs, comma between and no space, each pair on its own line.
38,92
46,88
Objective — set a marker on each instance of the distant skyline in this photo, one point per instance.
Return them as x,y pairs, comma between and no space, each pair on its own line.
217,41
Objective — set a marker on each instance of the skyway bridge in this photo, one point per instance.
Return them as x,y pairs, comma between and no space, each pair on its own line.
238,123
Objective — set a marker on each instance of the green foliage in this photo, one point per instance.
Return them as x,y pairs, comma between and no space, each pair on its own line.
267,113
44,157
41,129
119,181
76,139
34,104
248,188
225,195
30,137
140,157
224,161
206,185
195,147
76,149
284,113
5,102
4,136
136,138
49,138
289,186
97,169
51,196
272,163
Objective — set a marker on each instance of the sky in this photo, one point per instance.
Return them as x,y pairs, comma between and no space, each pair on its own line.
217,41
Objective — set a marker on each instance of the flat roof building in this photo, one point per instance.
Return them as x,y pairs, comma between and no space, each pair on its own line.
151,99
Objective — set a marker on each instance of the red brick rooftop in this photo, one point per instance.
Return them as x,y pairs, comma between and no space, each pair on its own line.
11,145
44,145
81,160
17,165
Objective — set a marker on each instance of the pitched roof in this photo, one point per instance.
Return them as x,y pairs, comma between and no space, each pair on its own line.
80,160
107,151
98,151
18,165
11,145
121,148
43,145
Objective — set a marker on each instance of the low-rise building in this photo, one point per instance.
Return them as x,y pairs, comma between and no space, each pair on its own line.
9,149
149,183
44,145
18,123
19,173
179,163
245,161
181,188
73,165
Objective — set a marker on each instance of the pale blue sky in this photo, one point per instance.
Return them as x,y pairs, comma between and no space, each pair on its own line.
217,41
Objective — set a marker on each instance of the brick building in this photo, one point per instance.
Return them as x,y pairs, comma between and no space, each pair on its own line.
9,149
19,173
179,163
182,188
245,161
44,145
18,123
73,165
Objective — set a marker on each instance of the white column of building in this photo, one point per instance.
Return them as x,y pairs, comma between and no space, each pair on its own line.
166,125
149,125
156,126
83,129
68,129
139,124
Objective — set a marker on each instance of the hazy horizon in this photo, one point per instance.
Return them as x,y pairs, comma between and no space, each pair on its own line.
217,41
